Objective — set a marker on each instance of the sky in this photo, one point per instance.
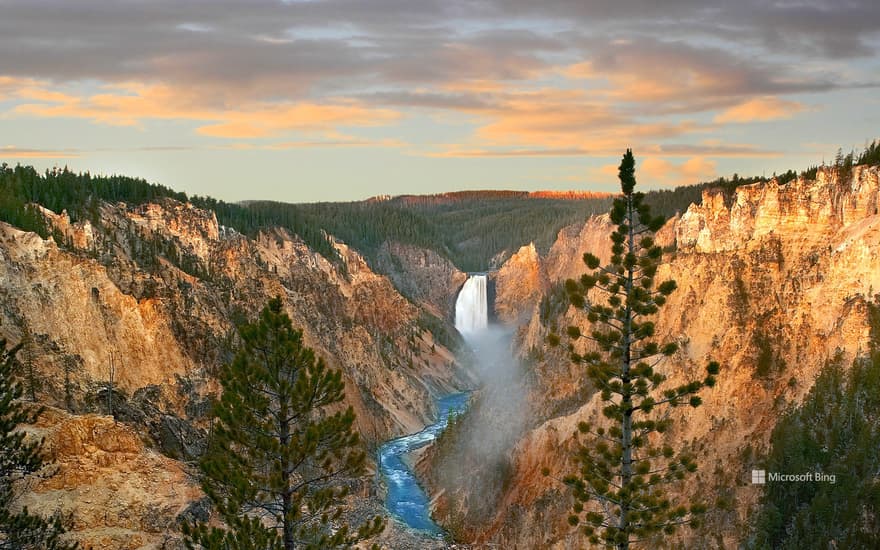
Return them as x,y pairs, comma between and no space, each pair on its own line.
312,100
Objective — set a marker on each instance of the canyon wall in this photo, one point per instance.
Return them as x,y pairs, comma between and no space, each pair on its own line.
154,292
773,281
523,281
422,275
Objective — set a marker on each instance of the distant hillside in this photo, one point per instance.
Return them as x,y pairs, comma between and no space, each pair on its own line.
469,228
489,194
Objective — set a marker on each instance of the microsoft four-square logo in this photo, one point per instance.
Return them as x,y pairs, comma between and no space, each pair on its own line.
759,477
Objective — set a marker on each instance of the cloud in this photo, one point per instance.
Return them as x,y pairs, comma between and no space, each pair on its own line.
13,152
824,28
659,172
342,141
677,77
460,152
605,173
709,148
513,121
760,109
262,49
10,86
668,150
131,104
550,78
551,118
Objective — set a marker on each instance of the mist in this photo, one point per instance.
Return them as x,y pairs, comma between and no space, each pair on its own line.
501,400
473,460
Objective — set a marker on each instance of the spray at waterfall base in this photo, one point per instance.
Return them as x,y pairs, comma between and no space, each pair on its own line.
473,462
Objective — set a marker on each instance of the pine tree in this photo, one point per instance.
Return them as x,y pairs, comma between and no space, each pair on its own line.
278,457
21,530
27,362
620,495
71,364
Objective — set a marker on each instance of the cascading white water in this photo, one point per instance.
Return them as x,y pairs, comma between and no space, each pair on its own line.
471,308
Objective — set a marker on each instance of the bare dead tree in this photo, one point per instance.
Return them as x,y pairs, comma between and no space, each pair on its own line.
112,374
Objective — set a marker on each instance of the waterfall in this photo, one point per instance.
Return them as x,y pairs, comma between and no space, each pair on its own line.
471,310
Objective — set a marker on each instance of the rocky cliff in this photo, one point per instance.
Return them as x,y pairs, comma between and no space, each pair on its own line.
773,280
423,275
519,285
119,493
149,296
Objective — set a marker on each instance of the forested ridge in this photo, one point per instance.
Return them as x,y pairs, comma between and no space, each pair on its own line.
470,228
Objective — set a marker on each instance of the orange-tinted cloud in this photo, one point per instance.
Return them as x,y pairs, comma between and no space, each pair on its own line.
673,77
637,83
509,119
554,122
656,171
12,152
11,85
264,120
670,150
659,171
133,103
760,109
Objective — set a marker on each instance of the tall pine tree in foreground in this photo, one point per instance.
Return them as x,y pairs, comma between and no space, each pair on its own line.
20,530
619,491
278,458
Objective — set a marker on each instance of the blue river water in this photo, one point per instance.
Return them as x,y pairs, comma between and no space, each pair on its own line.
406,499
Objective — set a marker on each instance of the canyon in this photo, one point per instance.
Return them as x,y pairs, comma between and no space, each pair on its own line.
773,280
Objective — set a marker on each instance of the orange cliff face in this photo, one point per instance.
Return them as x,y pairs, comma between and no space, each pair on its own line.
520,282
158,288
118,492
772,282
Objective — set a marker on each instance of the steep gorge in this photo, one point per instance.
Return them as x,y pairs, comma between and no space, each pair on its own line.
773,280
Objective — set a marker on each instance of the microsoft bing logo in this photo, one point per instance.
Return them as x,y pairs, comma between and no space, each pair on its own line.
761,477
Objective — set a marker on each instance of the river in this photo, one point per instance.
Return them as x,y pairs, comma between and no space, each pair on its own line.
406,499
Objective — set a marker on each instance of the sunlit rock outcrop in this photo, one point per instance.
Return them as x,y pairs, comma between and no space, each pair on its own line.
519,284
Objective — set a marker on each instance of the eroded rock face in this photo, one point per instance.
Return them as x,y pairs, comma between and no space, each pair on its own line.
155,291
117,492
425,276
772,282
519,285
801,209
